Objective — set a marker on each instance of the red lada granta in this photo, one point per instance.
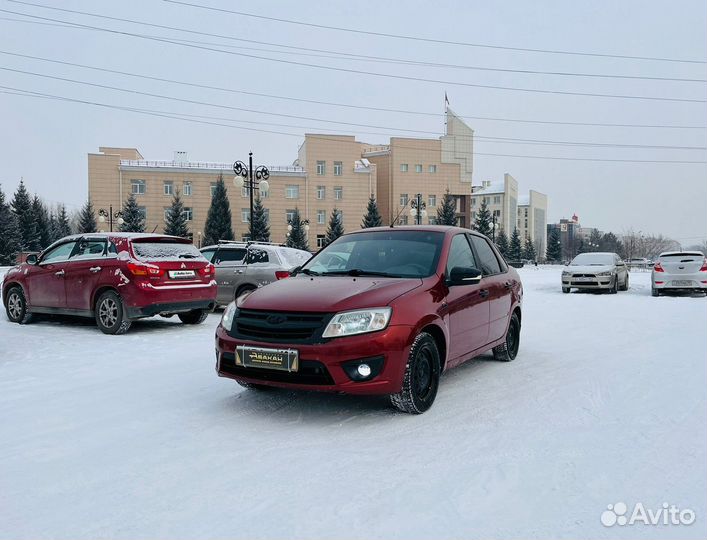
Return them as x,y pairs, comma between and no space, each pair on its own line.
114,277
378,311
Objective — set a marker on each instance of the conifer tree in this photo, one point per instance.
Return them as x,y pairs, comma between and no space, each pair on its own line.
335,228
62,223
41,218
87,219
297,237
372,217
529,250
260,222
9,234
176,224
515,249
502,242
553,252
133,221
483,220
218,220
22,208
447,210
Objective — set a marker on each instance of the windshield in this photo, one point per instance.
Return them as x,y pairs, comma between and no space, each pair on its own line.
403,254
593,259
164,250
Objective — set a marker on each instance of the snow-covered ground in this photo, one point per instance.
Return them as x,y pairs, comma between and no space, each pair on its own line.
135,436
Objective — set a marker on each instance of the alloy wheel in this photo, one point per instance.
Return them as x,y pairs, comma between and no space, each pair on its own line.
14,305
108,312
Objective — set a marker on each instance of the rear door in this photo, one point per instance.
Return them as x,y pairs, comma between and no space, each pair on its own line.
84,270
261,263
230,271
45,281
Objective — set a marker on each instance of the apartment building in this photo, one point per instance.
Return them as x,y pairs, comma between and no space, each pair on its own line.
532,219
569,231
501,199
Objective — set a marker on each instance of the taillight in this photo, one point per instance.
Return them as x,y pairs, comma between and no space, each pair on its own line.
138,269
281,274
704,266
658,268
207,270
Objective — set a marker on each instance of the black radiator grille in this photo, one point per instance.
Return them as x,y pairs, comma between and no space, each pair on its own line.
279,326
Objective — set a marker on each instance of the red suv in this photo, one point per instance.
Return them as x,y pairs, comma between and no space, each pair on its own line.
378,311
114,277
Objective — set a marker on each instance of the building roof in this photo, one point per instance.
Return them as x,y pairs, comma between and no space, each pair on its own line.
497,187
524,200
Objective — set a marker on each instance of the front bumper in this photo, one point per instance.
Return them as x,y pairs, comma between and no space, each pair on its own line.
591,283
322,363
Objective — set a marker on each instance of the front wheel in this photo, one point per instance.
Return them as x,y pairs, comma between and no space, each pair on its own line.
625,286
16,306
195,316
508,350
615,286
565,290
421,378
110,314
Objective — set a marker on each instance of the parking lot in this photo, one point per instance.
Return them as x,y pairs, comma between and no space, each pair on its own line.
135,435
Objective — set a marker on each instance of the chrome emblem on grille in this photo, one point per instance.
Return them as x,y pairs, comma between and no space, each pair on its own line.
276,319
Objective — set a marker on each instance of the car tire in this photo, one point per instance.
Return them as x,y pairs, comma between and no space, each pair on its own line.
195,316
565,290
254,386
16,306
421,378
508,350
625,286
110,314
655,292
615,286
242,290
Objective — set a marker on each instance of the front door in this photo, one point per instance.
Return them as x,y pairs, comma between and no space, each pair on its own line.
83,272
45,281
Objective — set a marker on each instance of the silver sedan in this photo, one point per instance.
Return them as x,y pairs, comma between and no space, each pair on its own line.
596,272
679,270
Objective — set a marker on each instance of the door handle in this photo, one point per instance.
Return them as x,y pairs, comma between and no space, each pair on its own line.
94,269
60,273
483,293
238,271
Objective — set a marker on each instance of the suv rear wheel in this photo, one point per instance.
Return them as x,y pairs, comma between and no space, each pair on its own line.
195,316
110,314
421,378
16,306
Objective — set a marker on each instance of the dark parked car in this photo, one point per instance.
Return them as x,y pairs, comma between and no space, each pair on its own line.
387,315
114,277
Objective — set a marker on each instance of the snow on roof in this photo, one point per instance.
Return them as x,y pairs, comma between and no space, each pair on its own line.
492,188
524,200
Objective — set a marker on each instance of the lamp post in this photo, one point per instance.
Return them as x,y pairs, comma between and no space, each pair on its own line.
199,236
304,223
252,179
103,214
493,227
417,209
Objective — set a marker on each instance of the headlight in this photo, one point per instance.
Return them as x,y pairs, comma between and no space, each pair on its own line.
604,274
228,315
566,273
361,321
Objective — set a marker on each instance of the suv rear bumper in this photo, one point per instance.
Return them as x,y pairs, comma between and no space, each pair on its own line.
322,364
171,307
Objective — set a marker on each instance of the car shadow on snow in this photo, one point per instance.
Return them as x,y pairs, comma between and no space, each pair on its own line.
141,326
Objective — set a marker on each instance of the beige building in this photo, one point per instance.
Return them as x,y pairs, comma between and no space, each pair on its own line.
532,219
501,199
330,172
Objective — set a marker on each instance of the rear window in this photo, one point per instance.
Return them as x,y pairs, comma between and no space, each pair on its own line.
165,250
293,257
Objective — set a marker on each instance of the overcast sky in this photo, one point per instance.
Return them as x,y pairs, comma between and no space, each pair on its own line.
46,140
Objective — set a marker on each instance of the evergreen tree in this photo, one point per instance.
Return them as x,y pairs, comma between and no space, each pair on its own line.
447,210
553,253
218,220
9,234
41,218
22,208
62,227
372,217
260,223
483,220
529,249
133,220
297,237
515,249
334,229
87,219
502,242
176,220
594,240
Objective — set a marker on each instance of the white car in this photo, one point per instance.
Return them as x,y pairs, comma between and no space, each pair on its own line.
679,270
596,272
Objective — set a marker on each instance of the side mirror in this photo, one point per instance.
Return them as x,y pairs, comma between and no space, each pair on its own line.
461,275
31,259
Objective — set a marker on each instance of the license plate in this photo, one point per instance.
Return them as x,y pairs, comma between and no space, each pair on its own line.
682,283
584,279
256,357
181,274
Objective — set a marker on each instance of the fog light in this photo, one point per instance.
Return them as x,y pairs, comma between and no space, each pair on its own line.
364,370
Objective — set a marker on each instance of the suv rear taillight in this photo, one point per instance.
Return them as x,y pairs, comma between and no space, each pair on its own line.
281,274
704,266
207,270
657,267
139,269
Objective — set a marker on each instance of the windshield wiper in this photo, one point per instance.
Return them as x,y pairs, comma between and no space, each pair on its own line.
358,272
187,256
308,272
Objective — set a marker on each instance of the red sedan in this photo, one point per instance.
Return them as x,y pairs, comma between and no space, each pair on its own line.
115,278
378,311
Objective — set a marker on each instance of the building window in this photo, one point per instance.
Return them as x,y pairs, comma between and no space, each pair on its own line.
473,201
432,221
264,194
166,214
473,215
497,213
188,213
168,188
403,220
418,167
432,200
245,215
497,199
338,193
292,192
321,217
403,167
245,191
213,189
289,215
403,199
320,241
137,187
321,168
321,192
143,212
186,189
340,216
338,168
432,169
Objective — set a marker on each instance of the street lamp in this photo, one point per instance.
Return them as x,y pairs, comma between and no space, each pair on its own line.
252,179
103,214
199,235
417,209
303,223
493,228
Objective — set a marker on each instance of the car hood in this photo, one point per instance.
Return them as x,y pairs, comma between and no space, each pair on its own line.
328,294
588,269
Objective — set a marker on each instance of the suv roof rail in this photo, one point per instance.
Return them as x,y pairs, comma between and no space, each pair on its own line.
250,242
231,242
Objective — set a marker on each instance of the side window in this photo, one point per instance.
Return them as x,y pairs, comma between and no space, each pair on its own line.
90,249
487,258
460,254
230,256
257,255
59,253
